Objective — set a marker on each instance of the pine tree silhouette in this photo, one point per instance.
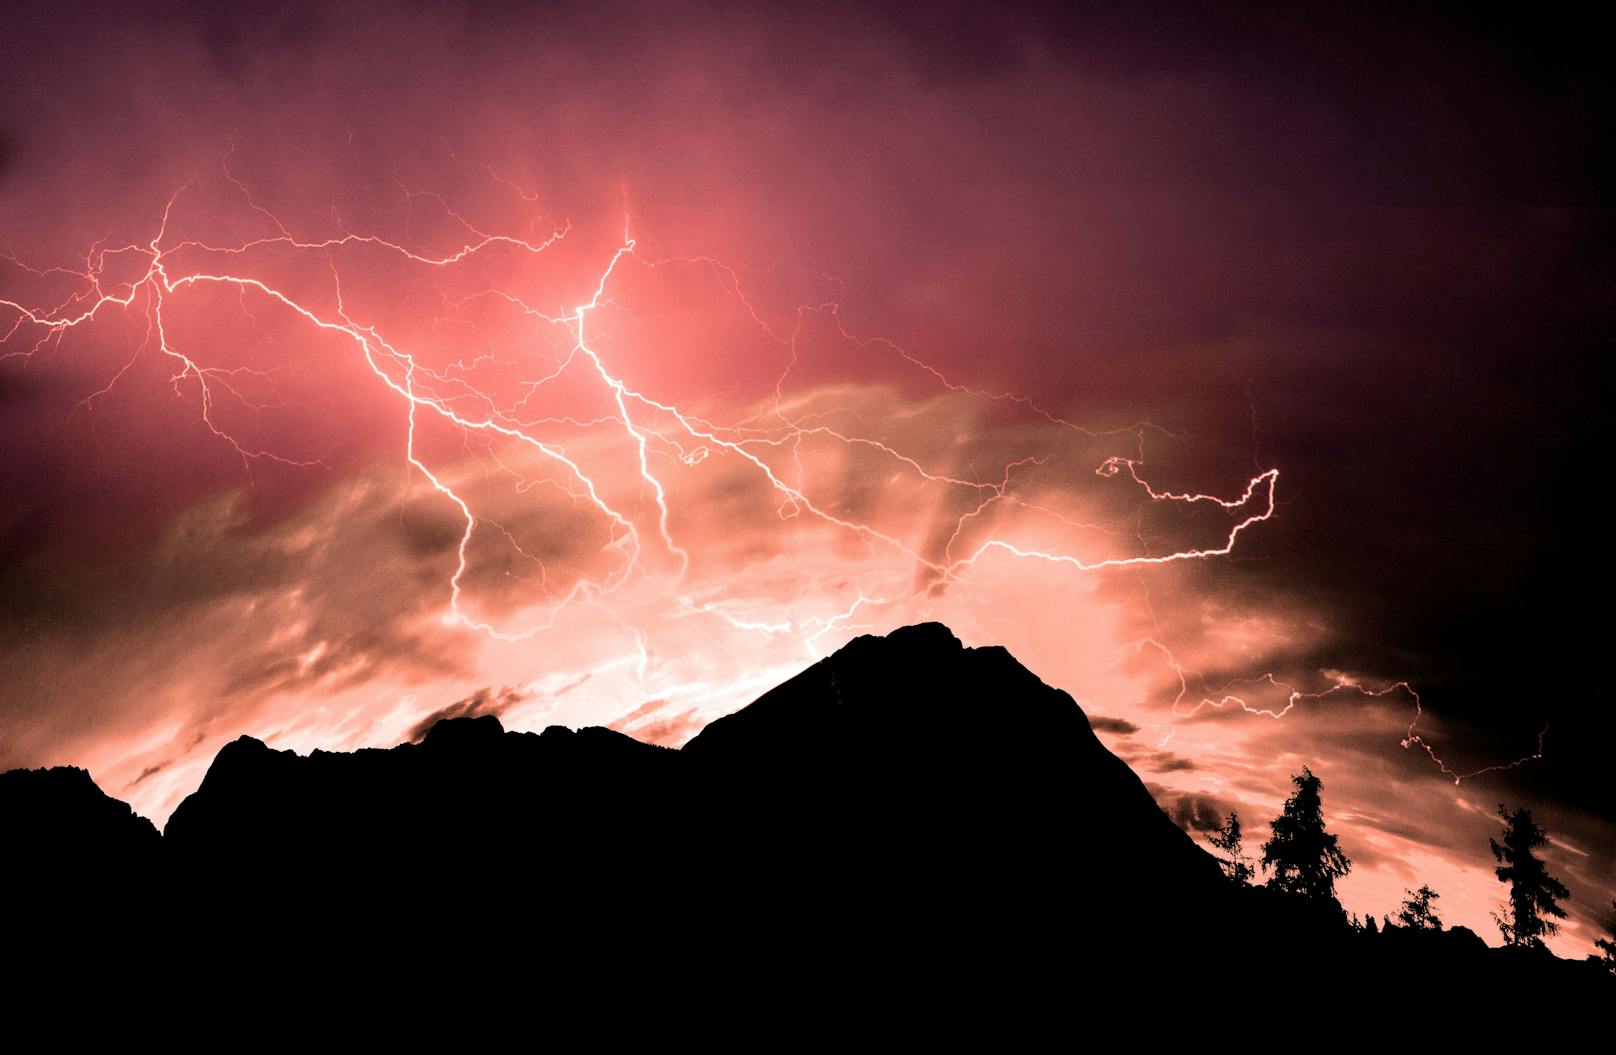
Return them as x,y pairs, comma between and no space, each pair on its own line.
1607,946
1227,839
1533,893
1416,912
1303,856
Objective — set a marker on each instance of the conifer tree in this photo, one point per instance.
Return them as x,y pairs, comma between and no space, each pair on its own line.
1416,912
1303,856
1534,894
1227,839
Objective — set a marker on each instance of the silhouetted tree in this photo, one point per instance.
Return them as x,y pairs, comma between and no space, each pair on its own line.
1533,893
1416,913
1369,925
1227,839
1303,856
1608,945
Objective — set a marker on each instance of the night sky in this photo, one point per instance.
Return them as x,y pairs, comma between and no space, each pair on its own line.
607,365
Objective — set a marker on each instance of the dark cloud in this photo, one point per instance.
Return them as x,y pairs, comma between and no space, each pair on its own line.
650,725
569,686
330,598
1368,246
484,701
671,731
149,771
645,710
1167,762
1157,761
1190,811
1103,724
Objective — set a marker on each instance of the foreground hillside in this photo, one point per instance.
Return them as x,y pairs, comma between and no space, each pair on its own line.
908,816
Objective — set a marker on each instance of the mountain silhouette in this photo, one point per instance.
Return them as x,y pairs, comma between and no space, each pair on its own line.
907,816
907,768
59,822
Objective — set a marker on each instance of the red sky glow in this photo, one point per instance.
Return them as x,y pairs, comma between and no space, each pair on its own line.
359,367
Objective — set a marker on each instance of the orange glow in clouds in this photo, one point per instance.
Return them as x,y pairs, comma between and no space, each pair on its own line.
459,455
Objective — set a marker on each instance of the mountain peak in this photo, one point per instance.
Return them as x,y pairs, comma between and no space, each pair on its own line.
463,733
905,811
918,684
918,635
59,815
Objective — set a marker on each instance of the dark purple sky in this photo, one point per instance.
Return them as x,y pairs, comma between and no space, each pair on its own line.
1366,246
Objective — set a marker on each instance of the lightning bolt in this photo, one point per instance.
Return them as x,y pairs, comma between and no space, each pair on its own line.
168,267
1340,684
